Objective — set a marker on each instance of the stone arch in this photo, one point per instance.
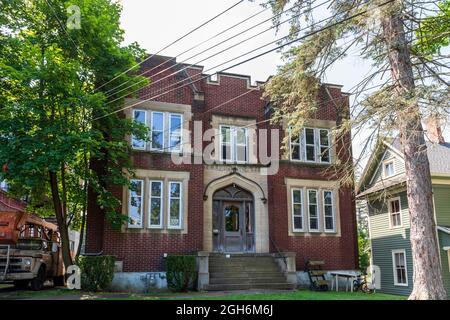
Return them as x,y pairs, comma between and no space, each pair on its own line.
260,203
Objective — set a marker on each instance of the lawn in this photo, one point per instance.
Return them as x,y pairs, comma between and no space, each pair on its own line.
65,294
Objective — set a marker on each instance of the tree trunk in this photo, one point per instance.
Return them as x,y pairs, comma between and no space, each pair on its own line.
427,279
61,219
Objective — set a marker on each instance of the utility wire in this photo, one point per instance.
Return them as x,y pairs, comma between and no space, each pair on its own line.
194,47
172,43
220,52
254,57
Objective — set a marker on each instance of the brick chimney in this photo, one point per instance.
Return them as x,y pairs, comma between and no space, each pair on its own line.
434,131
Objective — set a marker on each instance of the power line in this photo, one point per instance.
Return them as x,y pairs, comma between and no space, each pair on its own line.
222,51
194,47
172,43
254,57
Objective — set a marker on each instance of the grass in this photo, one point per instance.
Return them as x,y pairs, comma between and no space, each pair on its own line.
59,293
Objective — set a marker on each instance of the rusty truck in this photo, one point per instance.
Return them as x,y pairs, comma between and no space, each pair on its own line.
30,251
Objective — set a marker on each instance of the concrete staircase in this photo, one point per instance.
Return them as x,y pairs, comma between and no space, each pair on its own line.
245,271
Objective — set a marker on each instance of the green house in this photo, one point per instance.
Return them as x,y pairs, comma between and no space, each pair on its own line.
382,188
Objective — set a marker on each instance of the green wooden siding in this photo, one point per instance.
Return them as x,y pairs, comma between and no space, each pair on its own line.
399,167
442,204
385,239
444,241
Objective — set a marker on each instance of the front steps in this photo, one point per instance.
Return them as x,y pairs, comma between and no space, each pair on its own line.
245,272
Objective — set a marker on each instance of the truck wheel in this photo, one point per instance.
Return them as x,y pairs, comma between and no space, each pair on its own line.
59,281
38,282
21,284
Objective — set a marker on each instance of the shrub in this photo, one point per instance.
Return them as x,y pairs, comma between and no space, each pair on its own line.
181,272
96,272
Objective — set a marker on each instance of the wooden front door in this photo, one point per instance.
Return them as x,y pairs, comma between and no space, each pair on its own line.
233,220
233,230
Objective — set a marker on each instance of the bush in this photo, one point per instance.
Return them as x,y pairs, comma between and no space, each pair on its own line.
96,272
181,272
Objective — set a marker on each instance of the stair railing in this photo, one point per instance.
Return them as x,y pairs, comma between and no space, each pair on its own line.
280,255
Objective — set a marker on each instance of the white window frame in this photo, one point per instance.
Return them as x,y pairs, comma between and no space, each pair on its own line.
391,213
222,144
163,131
324,146
142,204
386,162
180,148
333,211
302,210
236,144
233,144
161,199
145,123
169,198
394,267
306,145
317,204
299,144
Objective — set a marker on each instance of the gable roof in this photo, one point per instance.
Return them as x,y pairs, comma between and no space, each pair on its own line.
438,155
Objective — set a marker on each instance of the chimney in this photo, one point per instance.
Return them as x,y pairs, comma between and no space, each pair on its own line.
434,131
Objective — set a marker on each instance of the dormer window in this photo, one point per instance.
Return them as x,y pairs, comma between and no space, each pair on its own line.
388,168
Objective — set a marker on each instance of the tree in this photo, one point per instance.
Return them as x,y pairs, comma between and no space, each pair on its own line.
384,32
50,79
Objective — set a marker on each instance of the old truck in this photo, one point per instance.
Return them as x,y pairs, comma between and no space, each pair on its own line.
30,251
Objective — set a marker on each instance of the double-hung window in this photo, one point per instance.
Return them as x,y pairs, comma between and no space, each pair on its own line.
400,269
233,144
175,133
156,204
139,116
395,215
311,145
328,211
297,209
175,205
388,168
157,126
135,203
313,210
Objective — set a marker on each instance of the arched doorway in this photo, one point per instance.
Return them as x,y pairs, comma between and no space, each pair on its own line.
233,220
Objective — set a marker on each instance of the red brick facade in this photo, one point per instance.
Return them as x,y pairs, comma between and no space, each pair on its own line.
144,251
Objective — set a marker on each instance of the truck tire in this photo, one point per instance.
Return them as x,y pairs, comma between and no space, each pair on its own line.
59,281
21,284
38,282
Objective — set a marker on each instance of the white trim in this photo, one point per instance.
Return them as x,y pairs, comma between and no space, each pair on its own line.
325,146
317,210
163,131
180,147
446,230
446,248
390,213
306,145
222,144
386,162
299,143
233,144
333,214
145,123
236,144
140,226
394,267
169,198
302,207
161,199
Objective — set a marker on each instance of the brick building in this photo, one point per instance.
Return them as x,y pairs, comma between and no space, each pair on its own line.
235,204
